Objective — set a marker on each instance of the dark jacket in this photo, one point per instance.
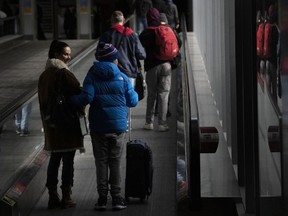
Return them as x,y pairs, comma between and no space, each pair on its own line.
171,12
130,50
109,92
147,38
55,141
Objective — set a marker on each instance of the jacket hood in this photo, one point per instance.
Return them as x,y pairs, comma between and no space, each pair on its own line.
153,17
55,63
120,29
105,70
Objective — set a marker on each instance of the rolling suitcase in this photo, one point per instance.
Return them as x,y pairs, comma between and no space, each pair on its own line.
139,169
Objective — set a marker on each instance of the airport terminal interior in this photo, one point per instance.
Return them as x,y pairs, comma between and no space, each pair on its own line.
226,148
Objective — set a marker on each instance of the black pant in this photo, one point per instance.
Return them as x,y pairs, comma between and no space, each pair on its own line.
67,168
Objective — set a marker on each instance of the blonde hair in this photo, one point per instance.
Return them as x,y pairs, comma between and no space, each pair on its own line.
117,17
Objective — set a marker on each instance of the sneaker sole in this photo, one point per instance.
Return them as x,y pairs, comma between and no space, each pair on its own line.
148,128
24,135
116,208
163,130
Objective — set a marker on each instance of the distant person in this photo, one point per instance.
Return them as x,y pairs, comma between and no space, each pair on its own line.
61,144
70,22
128,45
142,7
171,12
40,33
109,93
159,5
22,120
271,51
106,8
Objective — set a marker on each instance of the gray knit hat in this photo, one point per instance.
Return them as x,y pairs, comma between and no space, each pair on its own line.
163,18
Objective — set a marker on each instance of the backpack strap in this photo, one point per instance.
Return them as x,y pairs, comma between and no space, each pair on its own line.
121,38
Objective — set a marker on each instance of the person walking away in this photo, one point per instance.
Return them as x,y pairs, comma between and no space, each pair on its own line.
22,120
109,93
271,52
174,63
142,7
70,22
171,12
158,75
62,144
128,45
159,5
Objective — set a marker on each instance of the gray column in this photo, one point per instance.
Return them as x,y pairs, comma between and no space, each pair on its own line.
84,27
28,23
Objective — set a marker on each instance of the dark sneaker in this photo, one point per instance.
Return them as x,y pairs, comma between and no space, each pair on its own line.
169,114
101,204
24,133
118,203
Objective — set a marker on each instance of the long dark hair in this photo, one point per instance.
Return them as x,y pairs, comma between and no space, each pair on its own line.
56,47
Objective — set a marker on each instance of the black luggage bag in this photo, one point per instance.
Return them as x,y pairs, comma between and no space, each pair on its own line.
139,170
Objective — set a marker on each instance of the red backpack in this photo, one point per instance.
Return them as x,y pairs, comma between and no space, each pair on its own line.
166,41
267,40
260,39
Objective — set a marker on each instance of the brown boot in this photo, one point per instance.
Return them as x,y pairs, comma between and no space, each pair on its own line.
67,201
54,200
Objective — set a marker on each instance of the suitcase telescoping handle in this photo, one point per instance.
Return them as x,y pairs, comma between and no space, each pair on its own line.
129,123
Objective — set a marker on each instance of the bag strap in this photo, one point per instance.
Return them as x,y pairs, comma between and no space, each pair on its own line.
121,38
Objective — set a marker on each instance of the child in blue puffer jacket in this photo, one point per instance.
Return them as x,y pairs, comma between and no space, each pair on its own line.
109,93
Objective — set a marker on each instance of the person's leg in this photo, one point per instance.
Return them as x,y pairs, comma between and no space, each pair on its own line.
151,80
52,180
53,167
141,24
67,179
115,153
163,93
68,168
26,111
18,117
100,151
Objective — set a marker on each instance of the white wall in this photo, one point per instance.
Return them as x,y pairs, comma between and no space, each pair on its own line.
214,26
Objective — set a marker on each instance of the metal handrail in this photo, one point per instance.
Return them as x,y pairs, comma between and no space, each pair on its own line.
192,129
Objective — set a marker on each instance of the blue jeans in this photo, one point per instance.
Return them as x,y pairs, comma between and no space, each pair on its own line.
141,24
107,150
22,117
67,168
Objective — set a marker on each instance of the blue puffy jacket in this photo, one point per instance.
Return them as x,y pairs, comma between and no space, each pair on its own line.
109,93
